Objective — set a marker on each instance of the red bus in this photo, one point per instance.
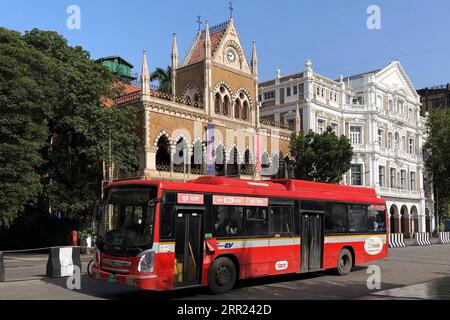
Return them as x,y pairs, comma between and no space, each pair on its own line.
214,231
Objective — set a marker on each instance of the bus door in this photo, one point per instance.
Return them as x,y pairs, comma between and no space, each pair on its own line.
312,240
188,246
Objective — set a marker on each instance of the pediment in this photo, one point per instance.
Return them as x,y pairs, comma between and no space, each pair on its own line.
394,78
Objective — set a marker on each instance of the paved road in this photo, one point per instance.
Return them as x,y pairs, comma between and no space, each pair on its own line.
408,273
23,266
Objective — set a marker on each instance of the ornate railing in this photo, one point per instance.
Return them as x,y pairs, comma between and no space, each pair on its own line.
247,170
163,167
276,124
199,171
127,98
136,96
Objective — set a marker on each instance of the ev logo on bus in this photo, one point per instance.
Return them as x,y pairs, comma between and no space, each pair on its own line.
228,245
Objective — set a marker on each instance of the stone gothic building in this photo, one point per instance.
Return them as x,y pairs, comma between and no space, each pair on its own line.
209,124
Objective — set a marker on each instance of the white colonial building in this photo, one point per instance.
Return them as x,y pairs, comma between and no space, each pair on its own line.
379,111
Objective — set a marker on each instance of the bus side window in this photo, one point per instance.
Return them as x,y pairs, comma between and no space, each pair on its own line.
335,218
166,224
281,219
227,221
376,221
357,218
256,221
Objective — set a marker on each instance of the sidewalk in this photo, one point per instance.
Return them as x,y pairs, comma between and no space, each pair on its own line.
31,266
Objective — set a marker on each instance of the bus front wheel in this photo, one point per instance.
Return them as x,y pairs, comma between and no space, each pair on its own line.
345,262
221,275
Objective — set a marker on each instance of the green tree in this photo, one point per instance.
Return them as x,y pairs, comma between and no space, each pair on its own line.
321,157
164,78
438,162
27,93
83,132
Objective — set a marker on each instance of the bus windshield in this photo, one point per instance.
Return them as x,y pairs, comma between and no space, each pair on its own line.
126,224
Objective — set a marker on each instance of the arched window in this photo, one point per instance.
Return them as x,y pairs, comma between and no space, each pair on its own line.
217,103
197,160
233,166
247,167
220,160
265,164
245,111
180,156
237,109
242,106
226,105
163,154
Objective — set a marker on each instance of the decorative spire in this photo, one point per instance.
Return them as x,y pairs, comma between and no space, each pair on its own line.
207,41
174,54
145,76
231,9
254,60
199,22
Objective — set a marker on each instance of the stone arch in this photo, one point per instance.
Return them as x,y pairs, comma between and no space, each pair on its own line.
197,160
394,219
415,219
247,162
427,220
159,135
233,162
220,159
222,98
177,139
163,153
247,94
265,164
405,220
181,154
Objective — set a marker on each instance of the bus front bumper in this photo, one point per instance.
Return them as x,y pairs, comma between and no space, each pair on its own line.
146,282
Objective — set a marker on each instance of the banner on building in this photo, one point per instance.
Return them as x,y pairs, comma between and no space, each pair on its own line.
210,157
257,148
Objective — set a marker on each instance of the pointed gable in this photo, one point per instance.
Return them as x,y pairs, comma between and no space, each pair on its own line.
394,77
231,39
197,52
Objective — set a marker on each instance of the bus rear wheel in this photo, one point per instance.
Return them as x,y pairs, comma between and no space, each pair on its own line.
221,275
345,262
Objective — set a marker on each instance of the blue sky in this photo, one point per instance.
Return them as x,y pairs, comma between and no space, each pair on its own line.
333,34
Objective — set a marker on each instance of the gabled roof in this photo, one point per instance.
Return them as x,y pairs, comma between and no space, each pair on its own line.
360,75
197,51
121,60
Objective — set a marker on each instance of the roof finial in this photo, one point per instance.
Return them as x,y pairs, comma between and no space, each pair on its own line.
199,22
231,9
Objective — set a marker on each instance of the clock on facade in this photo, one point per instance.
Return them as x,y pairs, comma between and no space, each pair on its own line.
231,55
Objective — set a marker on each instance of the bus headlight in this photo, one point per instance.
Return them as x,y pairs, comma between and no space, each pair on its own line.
146,262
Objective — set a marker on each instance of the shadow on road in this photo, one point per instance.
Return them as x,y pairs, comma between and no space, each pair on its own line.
105,290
